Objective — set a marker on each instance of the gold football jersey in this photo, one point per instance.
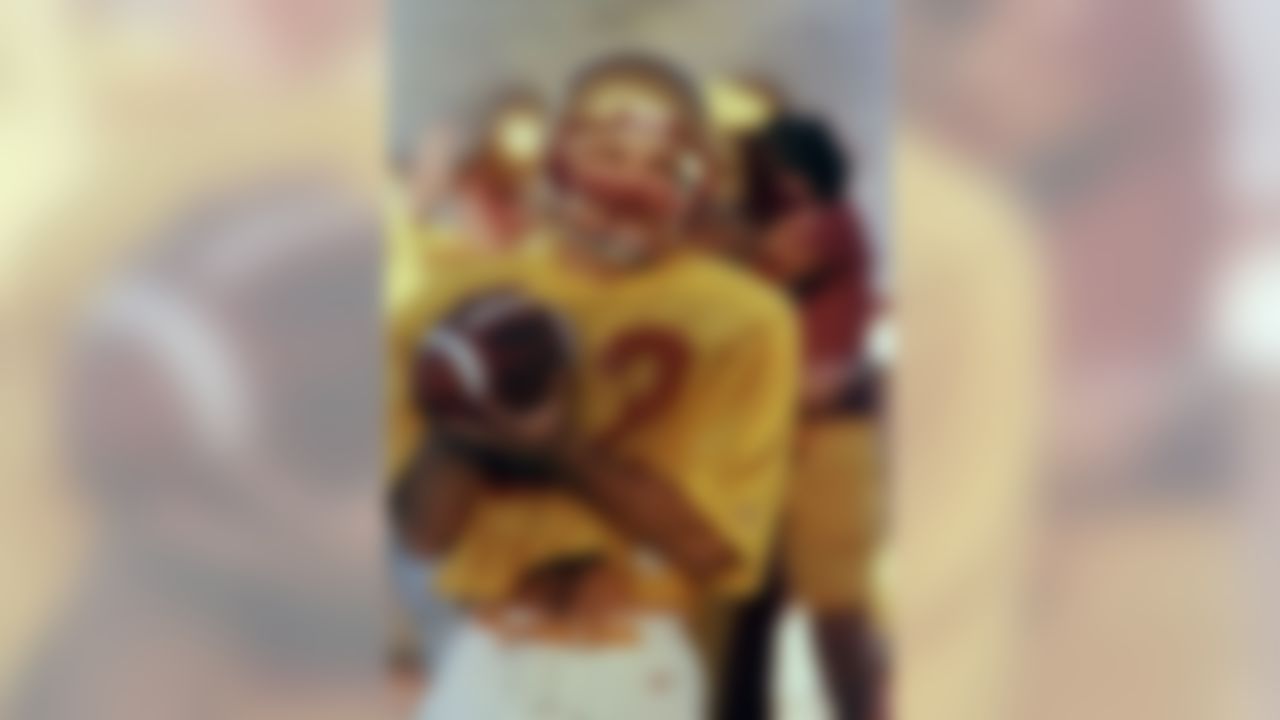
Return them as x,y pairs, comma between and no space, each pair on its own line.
688,366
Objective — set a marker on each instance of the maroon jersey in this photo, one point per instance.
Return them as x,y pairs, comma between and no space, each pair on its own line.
825,263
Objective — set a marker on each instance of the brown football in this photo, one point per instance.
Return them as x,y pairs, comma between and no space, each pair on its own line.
498,350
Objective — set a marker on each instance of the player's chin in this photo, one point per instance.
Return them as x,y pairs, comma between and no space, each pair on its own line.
623,246
618,239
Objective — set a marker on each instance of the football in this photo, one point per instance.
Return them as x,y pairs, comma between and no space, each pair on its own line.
498,352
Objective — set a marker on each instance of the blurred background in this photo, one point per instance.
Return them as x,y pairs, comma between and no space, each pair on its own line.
1079,199
190,234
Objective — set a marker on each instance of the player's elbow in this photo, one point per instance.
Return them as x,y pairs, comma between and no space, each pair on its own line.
423,536
706,558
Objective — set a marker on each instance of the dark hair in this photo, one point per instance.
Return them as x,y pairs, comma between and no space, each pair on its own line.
807,146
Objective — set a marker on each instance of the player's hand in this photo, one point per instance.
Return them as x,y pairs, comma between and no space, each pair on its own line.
541,430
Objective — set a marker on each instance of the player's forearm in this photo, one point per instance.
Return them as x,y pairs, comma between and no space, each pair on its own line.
653,510
433,500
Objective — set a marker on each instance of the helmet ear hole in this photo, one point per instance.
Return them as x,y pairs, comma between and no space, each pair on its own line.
700,177
697,175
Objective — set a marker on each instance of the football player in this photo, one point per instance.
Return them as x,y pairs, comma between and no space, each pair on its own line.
812,243
660,486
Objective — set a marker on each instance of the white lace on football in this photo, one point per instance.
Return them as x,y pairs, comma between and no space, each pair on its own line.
463,360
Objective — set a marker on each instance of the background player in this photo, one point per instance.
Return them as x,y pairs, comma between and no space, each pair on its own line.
812,243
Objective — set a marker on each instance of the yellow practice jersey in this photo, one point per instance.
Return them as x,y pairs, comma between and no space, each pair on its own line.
689,367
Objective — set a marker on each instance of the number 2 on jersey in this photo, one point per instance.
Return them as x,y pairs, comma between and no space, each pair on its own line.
664,356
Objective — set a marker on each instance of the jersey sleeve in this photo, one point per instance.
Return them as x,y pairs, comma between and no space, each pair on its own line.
405,297
743,450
